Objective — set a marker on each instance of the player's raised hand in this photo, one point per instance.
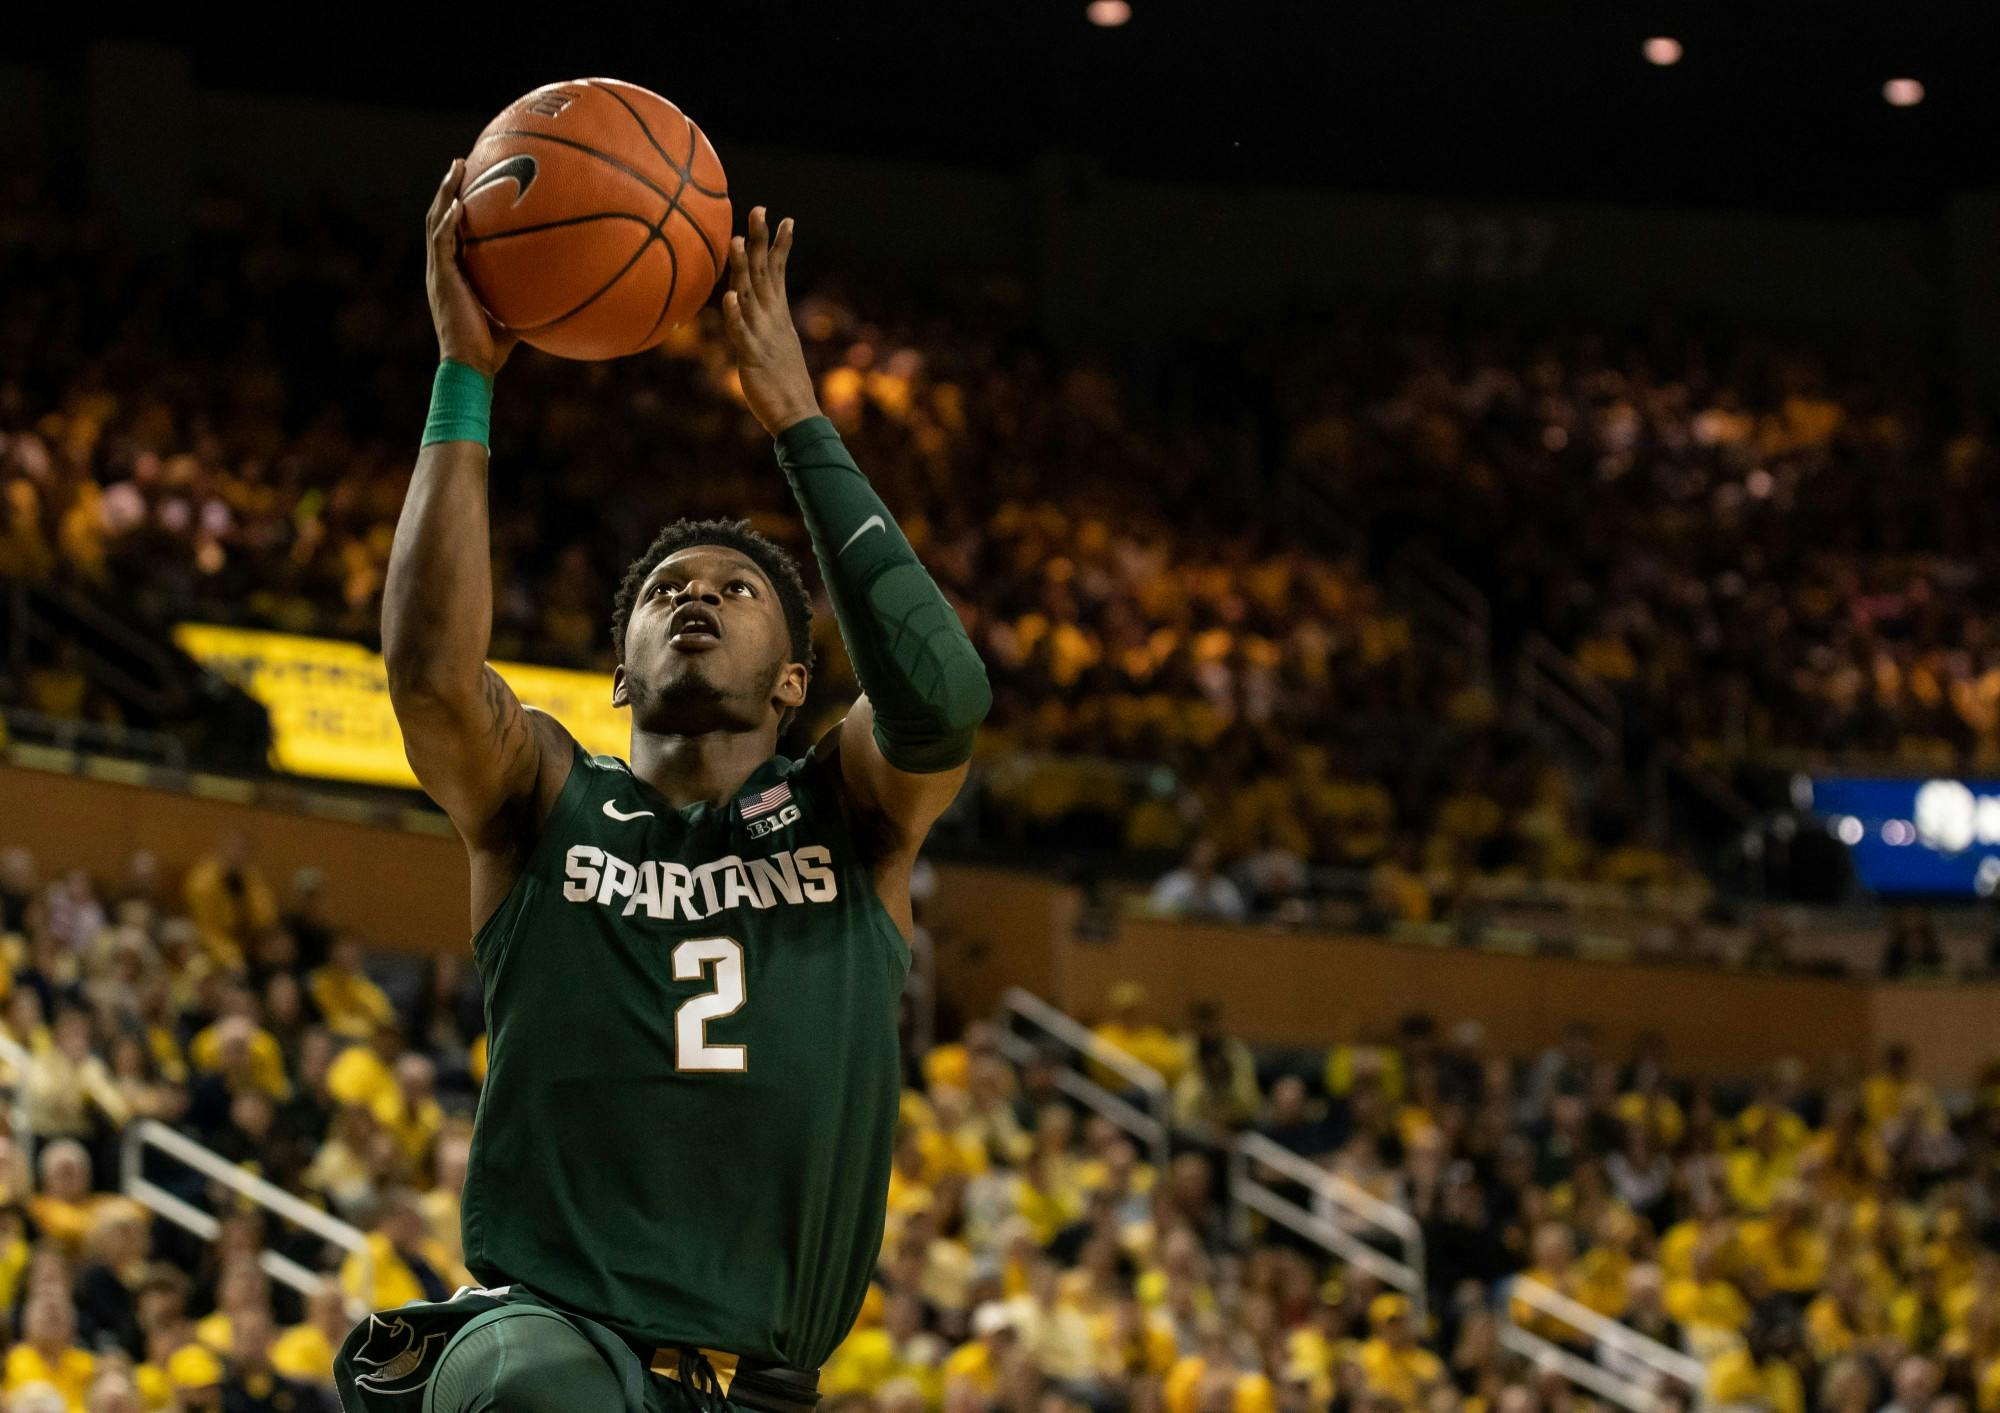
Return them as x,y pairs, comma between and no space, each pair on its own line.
769,359
466,334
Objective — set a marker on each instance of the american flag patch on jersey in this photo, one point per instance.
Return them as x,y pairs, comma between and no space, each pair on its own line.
763,804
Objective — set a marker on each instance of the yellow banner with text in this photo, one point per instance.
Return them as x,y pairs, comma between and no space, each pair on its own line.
329,700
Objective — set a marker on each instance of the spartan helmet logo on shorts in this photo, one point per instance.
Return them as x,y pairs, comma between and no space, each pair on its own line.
396,1357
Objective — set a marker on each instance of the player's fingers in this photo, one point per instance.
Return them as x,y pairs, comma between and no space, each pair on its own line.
739,269
443,197
732,319
760,248
781,250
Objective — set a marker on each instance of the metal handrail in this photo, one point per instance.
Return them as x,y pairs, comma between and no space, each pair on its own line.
1150,1126
1347,1198
1552,681
212,1165
1578,1370
1341,1191
1249,1194
1603,1332
70,733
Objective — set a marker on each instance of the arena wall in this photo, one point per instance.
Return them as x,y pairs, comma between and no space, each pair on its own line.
398,875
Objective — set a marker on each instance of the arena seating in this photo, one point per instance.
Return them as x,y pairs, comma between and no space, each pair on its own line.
1405,1220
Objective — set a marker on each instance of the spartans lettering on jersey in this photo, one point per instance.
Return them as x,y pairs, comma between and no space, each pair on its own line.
665,890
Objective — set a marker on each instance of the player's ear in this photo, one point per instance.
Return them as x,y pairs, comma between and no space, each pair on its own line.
618,697
790,692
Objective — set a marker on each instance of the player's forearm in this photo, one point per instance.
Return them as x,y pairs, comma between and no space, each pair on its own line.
914,660
437,601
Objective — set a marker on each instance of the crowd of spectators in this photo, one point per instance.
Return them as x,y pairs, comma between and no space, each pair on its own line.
227,437
1761,547
1814,1245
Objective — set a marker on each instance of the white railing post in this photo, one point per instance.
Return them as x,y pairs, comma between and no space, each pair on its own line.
1606,1336
145,1133
1152,1127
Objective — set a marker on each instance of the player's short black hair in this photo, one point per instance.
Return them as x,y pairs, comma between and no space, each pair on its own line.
767,554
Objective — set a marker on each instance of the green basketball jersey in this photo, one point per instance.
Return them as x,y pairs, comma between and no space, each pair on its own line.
693,1067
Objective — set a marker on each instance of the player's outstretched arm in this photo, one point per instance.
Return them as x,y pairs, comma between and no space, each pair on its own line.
475,749
904,746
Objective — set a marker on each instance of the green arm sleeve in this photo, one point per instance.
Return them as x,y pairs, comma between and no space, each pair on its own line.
913,657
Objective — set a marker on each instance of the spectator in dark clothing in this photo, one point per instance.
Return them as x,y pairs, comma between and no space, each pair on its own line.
251,1385
1291,1123
107,1289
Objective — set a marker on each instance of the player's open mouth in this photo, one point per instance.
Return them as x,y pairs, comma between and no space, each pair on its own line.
693,627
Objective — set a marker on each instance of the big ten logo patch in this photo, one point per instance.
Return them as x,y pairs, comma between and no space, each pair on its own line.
772,823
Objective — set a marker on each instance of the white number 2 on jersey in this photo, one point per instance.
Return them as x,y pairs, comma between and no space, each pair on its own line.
692,1052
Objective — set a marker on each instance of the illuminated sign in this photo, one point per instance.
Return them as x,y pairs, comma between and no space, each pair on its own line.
1914,835
329,701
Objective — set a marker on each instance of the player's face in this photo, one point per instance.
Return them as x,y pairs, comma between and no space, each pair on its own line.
706,647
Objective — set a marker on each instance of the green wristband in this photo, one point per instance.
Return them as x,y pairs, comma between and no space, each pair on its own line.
461,404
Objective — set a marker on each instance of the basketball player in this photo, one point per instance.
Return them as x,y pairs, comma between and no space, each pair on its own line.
691,960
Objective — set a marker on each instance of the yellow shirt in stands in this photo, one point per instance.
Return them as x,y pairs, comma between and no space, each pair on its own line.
68,1373
1150,1351
358,1077
972,1362
228,918
65,1222
352,1004
1401,1374
1707,1305
303,1352
948,1067
156,1390
13,1261
1148,1044
1664,1115
1735,1378
267,1060
1182,1390
1794,1262
1754,1179
217,1331
1792,1130
862,1363
394,1282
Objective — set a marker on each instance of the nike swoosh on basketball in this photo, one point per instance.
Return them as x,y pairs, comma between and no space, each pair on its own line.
519,169
873,522
613,811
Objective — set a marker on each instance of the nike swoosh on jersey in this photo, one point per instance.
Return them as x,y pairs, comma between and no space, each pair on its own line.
613,811
873,522
519,169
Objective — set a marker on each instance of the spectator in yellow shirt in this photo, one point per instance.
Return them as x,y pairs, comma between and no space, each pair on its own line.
1760,1372
1784,1247
65,1207
402,1262
48,1353
1757,1171
1211,1380
243,1053
364,1076
1553,1250
1393,1365
305,1351
1125,1031
1711,1309
351,1004
978,1361
229,900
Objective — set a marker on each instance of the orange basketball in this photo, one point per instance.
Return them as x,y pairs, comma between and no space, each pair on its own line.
596,217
